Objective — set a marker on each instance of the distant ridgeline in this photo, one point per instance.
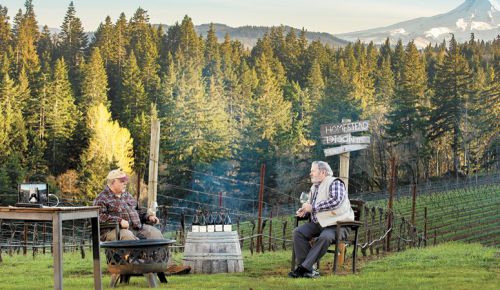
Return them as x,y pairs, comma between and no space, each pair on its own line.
248,35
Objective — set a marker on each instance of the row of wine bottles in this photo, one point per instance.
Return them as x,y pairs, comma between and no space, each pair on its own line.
211,223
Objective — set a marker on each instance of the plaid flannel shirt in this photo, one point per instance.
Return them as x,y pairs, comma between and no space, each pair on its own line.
336,195
114,208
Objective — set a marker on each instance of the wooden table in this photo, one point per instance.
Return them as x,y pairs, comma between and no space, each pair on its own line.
57,215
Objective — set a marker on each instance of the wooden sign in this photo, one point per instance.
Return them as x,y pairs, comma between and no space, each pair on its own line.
345,139
344,128
344,149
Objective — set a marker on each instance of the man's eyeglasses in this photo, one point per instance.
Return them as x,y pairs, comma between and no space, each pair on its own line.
123,179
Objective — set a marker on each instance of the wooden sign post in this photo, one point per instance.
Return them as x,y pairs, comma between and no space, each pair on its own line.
341,134
154,153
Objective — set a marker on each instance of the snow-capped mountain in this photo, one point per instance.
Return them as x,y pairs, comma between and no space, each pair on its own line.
481,17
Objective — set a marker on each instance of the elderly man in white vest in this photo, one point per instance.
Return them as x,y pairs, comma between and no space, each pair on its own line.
328,203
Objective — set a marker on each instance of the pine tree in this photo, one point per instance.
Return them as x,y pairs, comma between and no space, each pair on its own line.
62,117
143,44
94,83
384,85
7,114
104,40
5,33
271,114
133,98
397,64
140,132
122,40
196,129
212,69
406,119
45,47
24,92
72,43
451,99
212,55
26,36
315,85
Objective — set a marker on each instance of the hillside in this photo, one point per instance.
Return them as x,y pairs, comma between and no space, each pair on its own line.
248,35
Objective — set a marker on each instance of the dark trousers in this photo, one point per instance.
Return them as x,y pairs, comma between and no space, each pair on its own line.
306,255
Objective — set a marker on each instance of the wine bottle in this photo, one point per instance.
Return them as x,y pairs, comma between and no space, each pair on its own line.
227,223
219,223
210,223
203,225
195,226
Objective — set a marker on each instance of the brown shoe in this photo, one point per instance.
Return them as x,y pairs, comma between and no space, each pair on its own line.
178,270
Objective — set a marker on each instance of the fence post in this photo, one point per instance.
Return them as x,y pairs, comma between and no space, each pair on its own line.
284,234
380,226
183,227
74,236
44,236
270,230
392,188
372,228
251,237
400,233
425,227
414,203
25,239
261,198
34,249
261,236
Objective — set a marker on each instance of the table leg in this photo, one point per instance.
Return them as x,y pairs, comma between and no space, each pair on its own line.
95,253
57,245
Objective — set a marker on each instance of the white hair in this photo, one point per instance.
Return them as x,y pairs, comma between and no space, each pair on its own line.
323,166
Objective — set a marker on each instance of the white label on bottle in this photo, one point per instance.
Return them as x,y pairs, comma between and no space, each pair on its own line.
195,228
227,228
210,228
203,229
218,228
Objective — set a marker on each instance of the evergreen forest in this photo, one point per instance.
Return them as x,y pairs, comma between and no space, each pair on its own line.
74,105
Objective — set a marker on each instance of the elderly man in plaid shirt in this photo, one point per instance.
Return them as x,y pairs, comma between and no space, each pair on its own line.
118,206
328,203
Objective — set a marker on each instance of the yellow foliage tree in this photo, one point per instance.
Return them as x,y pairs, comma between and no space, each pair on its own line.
110,147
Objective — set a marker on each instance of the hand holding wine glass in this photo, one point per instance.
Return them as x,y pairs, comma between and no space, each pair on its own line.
304,197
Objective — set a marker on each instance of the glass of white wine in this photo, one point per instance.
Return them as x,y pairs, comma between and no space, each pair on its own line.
304,197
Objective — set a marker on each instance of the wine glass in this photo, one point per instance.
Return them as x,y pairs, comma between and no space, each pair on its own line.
304,197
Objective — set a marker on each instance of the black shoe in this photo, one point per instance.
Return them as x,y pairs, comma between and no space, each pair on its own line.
294,274
298,272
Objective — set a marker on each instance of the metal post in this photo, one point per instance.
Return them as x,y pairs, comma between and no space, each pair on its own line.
270,230
261,197
392,188
414,203
425,227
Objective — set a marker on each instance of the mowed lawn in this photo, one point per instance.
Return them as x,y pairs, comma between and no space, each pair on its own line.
447,266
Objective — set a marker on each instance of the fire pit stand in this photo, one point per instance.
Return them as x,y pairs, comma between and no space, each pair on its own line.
137,257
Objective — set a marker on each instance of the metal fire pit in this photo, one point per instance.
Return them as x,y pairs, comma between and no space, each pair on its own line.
137,257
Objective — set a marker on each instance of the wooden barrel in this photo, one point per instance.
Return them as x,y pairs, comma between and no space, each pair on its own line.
214,252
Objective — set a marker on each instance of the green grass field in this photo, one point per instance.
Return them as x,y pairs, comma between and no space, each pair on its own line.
447,266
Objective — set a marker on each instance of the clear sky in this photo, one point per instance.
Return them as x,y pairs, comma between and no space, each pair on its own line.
332,16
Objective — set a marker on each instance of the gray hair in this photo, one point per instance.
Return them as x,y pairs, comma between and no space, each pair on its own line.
323,166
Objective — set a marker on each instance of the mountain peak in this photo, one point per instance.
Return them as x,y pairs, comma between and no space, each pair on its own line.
481,17
480,4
